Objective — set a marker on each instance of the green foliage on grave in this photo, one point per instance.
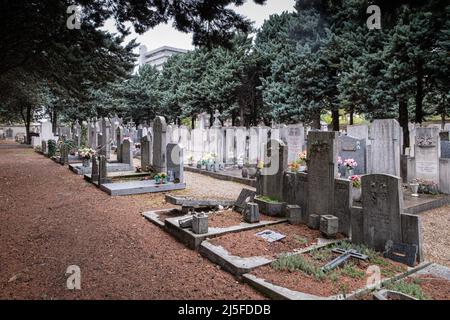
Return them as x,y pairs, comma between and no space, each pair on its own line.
298,263
300,239
51,146
351,270
411,288
267,199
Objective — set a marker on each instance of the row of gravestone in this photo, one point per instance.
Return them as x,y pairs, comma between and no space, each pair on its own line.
378,223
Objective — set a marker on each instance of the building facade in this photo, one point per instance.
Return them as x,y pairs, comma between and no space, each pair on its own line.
157,57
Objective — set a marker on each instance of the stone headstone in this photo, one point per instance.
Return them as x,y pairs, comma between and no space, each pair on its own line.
127,151
403,253
245,196
92,136
175,162
444,135
382,202
322,171
146,152
94,171
270,179
385,147
106,138
352,148
360,131
119,139
102,170
159,144
427,154
295,140
445,149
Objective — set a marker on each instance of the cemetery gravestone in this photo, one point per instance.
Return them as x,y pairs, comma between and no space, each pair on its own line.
352,148
270,179
175,167
322,171
159,144
445,149
385,148
427,154
382,202
106,138
146,149
127,152
295,139
245,196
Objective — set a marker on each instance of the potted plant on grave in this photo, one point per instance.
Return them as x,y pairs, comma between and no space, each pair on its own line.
86,154
414,187
269,206
350,165
427,186
214,165
356,187
302,161
294,166
163,176
157,178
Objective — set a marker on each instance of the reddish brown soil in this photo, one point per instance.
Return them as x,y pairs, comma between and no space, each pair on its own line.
51,218
300,281
230,218
434,287
246,244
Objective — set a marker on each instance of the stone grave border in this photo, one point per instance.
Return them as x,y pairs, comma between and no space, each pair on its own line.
119,174
440,201
111,167
282,293
222,176
193,241
238,265
186,201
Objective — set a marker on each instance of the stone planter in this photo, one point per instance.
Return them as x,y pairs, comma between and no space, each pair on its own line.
274,209
414,189
356,194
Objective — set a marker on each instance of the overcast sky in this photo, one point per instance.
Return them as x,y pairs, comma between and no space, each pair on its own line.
166,35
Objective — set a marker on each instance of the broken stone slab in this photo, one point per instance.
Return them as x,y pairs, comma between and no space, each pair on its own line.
186,222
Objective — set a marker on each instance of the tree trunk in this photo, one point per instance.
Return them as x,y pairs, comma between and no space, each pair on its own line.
26,117
335,117
316,121
419,92
351,116
54,120
403,119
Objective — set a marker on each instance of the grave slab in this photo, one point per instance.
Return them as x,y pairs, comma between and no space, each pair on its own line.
111,167
139,187
193,240
187,201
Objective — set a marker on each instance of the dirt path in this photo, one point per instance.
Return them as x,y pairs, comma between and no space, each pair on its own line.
51,218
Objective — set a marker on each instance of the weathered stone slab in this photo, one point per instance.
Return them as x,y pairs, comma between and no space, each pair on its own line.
245,196
412,233
342,203
427,154
382,201
352,148
139,187
159,144
322,171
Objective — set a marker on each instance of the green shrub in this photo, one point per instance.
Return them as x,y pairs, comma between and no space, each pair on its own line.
51,146
298,263
410,288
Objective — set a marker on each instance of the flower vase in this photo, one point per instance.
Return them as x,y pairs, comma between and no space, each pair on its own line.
414,189
349,172
158,180
356,194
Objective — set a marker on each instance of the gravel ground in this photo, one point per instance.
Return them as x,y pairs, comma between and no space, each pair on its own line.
436,235
51,218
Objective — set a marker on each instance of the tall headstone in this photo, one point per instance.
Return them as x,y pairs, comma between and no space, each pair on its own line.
159,144
427,154
270,179
322,171
100,147
175,162
119,138
127,152
295,140
106,138
77,134
230,145
385,149
102,170
382,202
94,171
146,152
